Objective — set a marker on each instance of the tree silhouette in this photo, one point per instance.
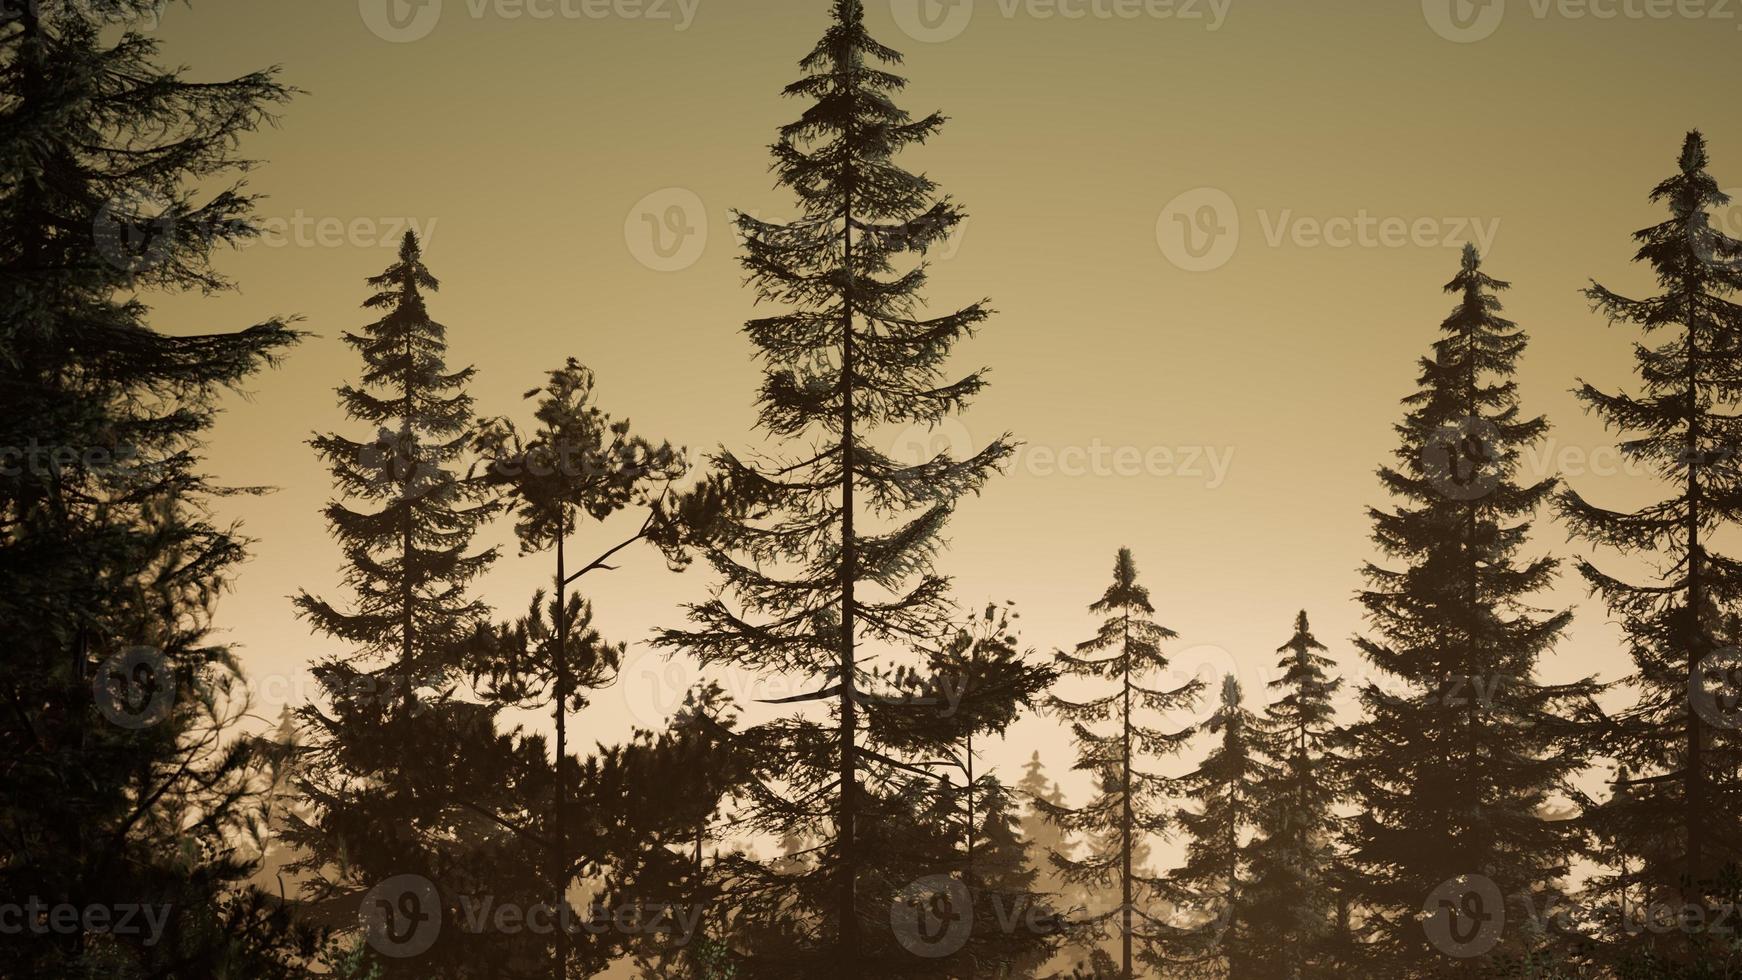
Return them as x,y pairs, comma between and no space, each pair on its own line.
127,780
1452,769
378,768
991,683
696,820
1131,803
1215,874
1681,819
1291,907
810,581
578,462
1044,838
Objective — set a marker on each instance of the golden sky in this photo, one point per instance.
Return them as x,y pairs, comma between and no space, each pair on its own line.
1215,233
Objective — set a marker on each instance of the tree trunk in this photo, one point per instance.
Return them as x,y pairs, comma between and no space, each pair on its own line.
846,829
1694,782
559,835
1125,816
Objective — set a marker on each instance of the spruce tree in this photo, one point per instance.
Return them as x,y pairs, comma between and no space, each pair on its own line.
1131,803
1044,838
1455,758
127,781
1017,926
1290,911
1034,785
1217,942
1679,815
827,553
384,752
1609,892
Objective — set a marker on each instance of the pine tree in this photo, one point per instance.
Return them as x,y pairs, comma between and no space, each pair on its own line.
1131,802
1215,874
127,781
1290,911
1045,838
378,769
1610,890
1034,785
578,462
279,804
1680,819
828,551
1013,908
1452,767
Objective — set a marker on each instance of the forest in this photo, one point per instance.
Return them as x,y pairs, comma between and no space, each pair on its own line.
441,807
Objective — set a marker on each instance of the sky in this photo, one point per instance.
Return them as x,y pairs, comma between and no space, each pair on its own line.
1216,235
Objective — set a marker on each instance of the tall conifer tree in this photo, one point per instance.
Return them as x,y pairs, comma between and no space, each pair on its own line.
1452,766
383,752
1680,810
1132,802
1217,830
125,783
827,553
1291,907
1045,838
